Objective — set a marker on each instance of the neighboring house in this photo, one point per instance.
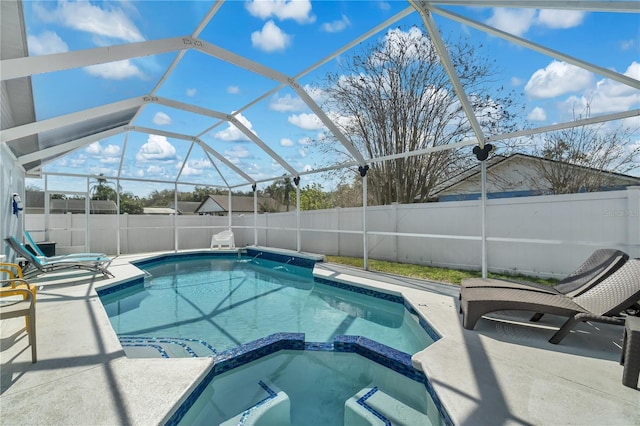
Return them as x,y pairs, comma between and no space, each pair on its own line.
34,204
517,175
186,207
219,205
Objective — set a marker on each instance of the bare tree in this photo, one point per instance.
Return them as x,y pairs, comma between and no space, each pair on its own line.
395,97
583,158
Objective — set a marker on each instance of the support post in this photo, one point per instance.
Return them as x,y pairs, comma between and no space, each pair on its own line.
365,249
175,217
296,180
482,153
483,215
255,214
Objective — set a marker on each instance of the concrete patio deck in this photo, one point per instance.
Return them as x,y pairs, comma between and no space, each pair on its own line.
503,373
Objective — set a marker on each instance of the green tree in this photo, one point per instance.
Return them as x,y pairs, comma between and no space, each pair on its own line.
280,190
102,191
312,197
396,97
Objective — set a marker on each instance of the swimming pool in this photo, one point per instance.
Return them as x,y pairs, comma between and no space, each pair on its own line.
288,348
205,305
312,388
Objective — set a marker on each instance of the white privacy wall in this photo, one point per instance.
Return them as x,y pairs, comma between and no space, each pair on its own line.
546,235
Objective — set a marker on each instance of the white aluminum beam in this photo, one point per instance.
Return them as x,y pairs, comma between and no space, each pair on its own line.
567,125
226,162
596,6
68,119
327,121
233,120
189,107
66,148
621,78
194,139
32,65
443,53
240,61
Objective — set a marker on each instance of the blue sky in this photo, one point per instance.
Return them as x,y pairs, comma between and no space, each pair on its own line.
288,37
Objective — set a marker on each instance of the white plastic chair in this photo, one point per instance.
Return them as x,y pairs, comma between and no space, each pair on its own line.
224,238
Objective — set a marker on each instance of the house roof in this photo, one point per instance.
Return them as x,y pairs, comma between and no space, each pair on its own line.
239,204
186,207
501,160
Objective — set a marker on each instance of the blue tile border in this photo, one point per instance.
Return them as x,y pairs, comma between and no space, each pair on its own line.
118,287
386,356
237,357
281,258
384,296
271,395
183,256
363,403
360,290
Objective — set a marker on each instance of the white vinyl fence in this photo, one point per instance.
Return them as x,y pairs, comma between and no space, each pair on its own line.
546,235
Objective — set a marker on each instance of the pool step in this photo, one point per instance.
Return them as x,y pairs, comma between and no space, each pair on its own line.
371,406
165,347
274,409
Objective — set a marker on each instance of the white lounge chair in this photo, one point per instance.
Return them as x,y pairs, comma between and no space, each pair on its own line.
224,238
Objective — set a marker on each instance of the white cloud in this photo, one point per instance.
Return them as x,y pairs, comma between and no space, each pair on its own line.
194,167
515,81
514,21
232,133
270,38
46,43
115,70
106,155
111,22
155,170
627,44
162,119
306,121
191,92
286,142
302,152
292,102
537,114
156,148
305,141
557,79
607,95
561,19
233,90
236,153
287,103
307,168
337,25
298,10
111,150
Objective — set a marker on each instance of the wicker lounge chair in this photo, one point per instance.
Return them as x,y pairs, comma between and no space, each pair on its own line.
601,264
37,265
597,267
604,302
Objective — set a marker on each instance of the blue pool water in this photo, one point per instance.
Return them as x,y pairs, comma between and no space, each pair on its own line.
317,387
225,302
